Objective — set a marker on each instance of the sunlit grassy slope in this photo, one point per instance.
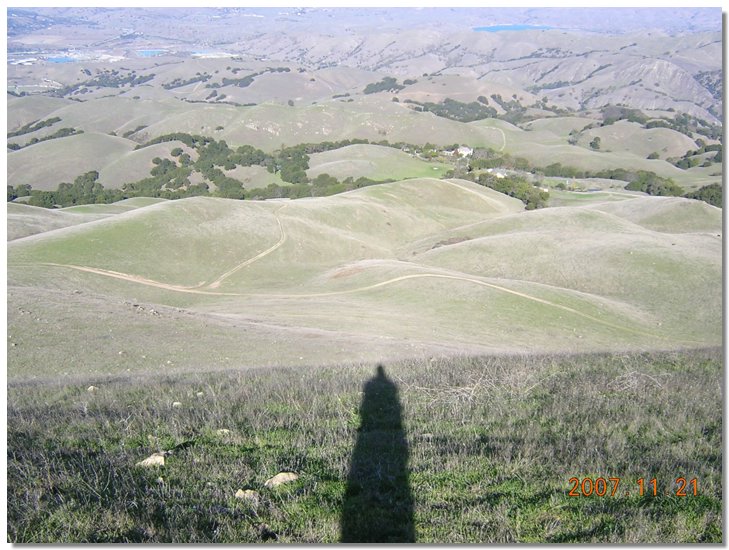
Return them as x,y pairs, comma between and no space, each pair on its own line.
48,163
24,220
418,267
372,161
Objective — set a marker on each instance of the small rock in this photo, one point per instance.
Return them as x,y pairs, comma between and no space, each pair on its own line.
223,431
280,479
199,394
249,495
176,405
156,459
92,389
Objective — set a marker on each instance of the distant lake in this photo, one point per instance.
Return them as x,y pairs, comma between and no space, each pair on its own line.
150,53
498,28
61,59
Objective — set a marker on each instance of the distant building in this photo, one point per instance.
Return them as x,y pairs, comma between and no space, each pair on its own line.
464,151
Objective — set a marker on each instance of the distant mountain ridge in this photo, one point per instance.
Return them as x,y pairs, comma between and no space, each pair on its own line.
584,58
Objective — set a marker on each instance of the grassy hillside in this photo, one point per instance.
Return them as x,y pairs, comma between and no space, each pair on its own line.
136,165
116,114
46,164
24,220
410,268
24,110
668,214
621,266
543,147
269,125
630,137
373,162
255,177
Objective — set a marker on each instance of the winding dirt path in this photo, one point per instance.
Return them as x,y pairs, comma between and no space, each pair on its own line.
503,135
192,290
281,241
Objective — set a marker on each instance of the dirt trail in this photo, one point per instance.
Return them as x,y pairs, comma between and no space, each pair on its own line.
281,241
193,290
473,192
140,280
503,137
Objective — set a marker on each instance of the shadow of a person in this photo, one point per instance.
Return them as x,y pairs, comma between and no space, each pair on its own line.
378,503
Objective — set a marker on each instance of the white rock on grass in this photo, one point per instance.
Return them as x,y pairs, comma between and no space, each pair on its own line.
176,405
156,459
249,495
92,389
280,479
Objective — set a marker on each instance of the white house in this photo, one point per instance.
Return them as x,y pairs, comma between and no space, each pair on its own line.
464,151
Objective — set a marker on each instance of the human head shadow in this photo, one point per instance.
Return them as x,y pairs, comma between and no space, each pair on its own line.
378,503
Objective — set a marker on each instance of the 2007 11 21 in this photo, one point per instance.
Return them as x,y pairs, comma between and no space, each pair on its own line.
587,486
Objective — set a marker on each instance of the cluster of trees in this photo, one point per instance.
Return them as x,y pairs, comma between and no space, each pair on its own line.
488,158
712,193
60,133
23,190
132,132
475,110
638,180
106,79
688,125
247,80
387,84
322,186
179,82
613,113
85,189
517,187
33,126
692,158
456,110
650,183
514,110
215,157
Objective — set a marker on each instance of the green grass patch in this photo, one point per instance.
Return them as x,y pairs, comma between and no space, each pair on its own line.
460,450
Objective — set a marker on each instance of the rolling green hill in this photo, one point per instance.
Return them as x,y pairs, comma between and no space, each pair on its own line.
136,165
375,117
24,220
543,146
48,163
24,110
372,161
413,268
